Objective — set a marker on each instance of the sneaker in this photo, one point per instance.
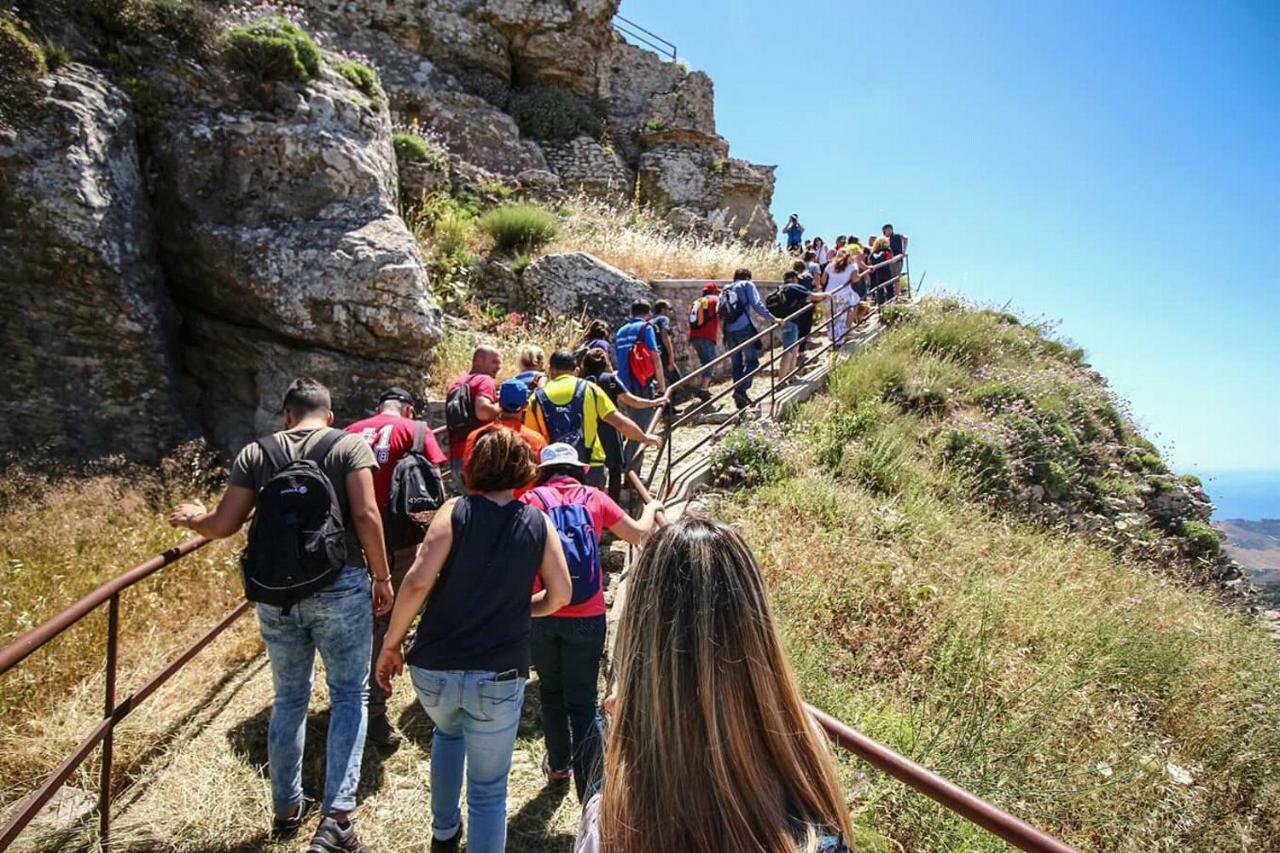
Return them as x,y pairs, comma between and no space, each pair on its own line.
332,837
741,400
382,734
702,394
555,775
449,846
287,827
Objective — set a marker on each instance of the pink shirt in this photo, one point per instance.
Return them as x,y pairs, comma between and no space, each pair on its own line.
604,512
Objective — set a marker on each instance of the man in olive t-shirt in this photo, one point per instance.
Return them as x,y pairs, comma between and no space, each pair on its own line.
337,621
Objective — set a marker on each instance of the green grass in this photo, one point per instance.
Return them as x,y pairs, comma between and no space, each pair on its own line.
273,49
22,64
414,148
1070,688
362,77
520,227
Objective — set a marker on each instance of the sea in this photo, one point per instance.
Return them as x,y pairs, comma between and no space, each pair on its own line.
1243,494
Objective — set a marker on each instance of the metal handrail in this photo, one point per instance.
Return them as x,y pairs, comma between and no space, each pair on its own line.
113,712
662,46
971,807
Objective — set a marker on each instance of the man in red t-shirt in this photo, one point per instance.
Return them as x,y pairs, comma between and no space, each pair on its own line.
485,364
567,646
390,435
704,331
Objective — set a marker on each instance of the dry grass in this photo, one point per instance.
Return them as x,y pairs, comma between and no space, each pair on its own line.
509,333
634,240
60,537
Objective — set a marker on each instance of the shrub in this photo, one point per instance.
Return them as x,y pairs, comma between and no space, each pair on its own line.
189,24
894,314
446,228
834,430
882,463
150,101
748,456
55,55
977,458
1201,539
554,114
22,64
413,148
520,227
273,49
362,77
492,88
996,396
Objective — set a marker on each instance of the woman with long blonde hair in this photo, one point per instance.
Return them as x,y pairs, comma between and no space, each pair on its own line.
710,749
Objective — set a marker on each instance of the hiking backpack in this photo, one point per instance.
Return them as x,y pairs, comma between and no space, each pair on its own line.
565,422
460,409
416,486
700,313
297,543
732,304
642,361
578,537
776,302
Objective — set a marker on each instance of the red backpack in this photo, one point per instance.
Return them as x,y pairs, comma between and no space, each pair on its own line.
642,361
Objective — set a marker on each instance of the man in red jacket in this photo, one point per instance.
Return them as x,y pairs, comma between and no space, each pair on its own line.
390,434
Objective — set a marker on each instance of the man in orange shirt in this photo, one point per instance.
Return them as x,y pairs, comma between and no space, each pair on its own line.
513,399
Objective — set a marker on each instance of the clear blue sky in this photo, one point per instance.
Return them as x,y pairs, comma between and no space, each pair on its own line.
1112,166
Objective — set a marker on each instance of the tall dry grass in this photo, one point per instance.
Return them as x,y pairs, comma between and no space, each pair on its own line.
61,535
633,239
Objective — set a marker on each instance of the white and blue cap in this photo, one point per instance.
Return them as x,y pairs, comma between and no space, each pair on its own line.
560,454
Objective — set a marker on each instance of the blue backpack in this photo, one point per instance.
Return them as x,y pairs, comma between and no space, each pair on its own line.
564,421
579,540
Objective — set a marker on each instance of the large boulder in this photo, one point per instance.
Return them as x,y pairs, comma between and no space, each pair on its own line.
87,332
732,194
279,228
575,284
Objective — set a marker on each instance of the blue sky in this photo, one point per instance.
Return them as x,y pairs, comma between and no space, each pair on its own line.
1114,167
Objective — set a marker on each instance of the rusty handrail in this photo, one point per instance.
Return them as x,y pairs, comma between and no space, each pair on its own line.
971,807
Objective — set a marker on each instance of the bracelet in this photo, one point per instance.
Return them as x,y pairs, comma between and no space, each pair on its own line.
387,579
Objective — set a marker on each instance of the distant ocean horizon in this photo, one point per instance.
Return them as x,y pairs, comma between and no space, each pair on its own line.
1243,494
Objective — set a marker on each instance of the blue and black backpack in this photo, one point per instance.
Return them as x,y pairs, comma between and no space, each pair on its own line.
564,422
578,538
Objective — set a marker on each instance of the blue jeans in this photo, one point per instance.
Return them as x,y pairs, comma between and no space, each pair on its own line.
567,652
475,722
337,622
744,362
790,333
706,351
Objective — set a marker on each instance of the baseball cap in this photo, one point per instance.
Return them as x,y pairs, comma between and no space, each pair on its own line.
560,454
396,394
711,287
513,395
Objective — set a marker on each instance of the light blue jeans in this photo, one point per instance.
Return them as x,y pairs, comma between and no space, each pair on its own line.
337,622
475,722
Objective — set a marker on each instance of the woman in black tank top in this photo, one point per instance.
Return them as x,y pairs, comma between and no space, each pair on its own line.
470,658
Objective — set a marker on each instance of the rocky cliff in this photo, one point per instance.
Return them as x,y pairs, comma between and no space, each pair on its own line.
199,202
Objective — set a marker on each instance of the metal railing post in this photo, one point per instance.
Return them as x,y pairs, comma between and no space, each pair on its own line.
773,373
108,711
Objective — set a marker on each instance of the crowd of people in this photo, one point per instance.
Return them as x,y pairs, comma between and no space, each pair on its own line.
356,551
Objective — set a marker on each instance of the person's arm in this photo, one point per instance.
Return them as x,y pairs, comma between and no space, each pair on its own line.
631,400
628,427
368,523
755,303
557,588
486,409
232,511
414,590
634,531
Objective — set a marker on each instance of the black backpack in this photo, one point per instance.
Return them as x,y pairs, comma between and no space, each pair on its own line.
776,302
460,409
297,542
732,303
416,486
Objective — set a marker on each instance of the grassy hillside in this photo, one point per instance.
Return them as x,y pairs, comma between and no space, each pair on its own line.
970,568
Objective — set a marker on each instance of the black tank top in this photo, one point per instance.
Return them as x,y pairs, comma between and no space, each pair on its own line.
477,616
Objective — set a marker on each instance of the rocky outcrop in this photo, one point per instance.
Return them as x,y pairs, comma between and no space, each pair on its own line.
283,247
575,284
584,164
87,331
732,195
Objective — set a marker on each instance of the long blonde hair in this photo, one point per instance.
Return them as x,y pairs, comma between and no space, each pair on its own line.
711,750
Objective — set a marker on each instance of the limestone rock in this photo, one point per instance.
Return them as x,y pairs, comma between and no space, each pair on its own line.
576,284
280,229
474,130
495,283
538,180
87,334
419,179
732,194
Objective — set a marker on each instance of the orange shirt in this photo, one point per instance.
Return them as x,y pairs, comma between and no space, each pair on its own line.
531,437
